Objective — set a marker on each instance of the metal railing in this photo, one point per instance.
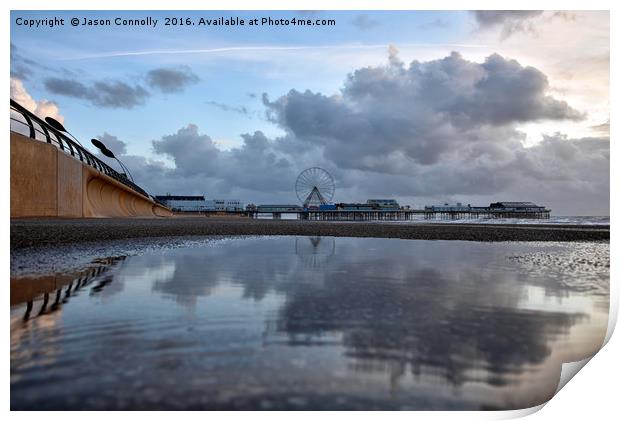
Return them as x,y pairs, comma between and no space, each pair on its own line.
37,129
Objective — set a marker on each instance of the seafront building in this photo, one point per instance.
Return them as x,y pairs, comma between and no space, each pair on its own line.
198,203
184,203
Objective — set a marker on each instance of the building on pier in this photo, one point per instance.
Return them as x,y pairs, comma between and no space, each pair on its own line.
370,205
383,204
354,207
278,208
517,206
494,210
446,207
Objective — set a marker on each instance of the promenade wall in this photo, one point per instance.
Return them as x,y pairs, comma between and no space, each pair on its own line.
46,182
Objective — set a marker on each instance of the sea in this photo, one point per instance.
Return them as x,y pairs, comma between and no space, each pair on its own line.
553,220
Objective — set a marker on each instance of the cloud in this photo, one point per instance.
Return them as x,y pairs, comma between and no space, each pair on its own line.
19,69
111,93
225,107
601,129
442,129
364,22
388,118
498,17
106,93
67,87
435,24
253,167
42,108
170,80
190,150
23,67
445,129
511,21
117,94
113,143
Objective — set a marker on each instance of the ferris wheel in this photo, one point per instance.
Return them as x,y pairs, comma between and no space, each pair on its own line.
315,187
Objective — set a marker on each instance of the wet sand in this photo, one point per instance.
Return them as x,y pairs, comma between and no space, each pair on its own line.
48,232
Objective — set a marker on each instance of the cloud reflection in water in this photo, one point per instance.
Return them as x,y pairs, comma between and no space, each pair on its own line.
324,323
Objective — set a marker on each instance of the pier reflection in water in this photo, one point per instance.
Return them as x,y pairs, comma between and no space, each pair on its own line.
314,323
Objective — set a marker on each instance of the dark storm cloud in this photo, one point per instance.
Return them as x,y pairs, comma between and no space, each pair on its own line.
106,93
169,80
364,22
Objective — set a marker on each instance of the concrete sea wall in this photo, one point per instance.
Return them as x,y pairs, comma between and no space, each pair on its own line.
47,182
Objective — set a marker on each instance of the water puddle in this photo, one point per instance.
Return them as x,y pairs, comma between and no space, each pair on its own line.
308,323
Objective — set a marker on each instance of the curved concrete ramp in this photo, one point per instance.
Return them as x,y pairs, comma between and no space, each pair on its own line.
105,197
47,182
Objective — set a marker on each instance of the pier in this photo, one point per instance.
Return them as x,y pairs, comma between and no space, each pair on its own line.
404,215
389,210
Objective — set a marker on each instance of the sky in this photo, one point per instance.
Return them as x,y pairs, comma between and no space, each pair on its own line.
421,106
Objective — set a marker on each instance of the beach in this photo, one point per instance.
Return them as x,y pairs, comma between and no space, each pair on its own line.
254,314
27,233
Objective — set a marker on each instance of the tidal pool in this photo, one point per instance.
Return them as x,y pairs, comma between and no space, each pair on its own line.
310,323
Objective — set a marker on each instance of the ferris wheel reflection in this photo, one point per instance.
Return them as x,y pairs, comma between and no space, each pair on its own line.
315,252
